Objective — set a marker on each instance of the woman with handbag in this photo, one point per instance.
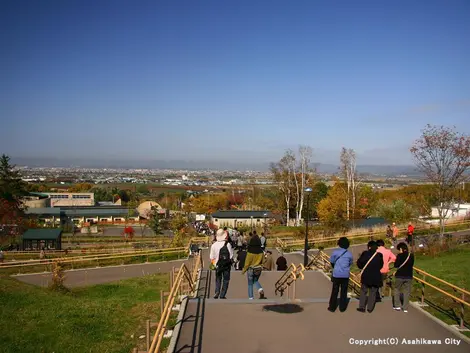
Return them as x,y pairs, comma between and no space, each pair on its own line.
341,260
403,277
370,262
254,266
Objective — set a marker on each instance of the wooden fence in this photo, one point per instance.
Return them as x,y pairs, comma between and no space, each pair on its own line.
459,295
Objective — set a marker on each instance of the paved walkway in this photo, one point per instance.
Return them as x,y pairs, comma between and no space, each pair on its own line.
98,275
303,325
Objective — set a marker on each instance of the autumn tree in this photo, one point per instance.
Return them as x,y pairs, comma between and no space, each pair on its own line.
332,209
81,187
154,221
283,176
12,189
398,211
443,155
292,174
319,192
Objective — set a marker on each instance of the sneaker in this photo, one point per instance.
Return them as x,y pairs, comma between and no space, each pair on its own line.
361,310
261,294
223,297
369,311
405,311
250,298
216,297
397,309
331,310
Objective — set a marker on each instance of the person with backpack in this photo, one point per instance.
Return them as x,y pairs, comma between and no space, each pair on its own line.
341,260
403,277
254,266
263,241
221,256
370,262
281,262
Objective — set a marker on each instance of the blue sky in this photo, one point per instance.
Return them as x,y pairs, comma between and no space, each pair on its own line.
230,80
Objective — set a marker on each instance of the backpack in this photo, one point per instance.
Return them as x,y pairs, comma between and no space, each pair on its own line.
224,262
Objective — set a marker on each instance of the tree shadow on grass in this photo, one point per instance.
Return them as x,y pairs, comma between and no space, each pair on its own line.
284,308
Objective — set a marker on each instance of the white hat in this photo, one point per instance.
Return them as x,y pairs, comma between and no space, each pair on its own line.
220,235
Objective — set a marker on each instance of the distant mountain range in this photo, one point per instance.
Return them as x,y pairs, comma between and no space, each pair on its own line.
198,165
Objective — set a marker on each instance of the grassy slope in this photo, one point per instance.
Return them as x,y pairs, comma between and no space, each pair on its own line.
453,267
101,318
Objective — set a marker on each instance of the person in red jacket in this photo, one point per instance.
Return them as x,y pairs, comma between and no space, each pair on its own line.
409,237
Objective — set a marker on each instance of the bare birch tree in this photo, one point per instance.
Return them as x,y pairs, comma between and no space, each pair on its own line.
305,156
443,155
283,175
348,169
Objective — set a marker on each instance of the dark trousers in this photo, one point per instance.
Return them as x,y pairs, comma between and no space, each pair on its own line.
368,296
222,276
343,298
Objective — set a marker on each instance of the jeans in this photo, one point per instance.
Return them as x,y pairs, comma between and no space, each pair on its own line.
402,285
343,299
368,295
219,276
252,280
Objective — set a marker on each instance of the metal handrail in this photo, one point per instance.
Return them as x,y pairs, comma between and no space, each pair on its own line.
290,275
183,273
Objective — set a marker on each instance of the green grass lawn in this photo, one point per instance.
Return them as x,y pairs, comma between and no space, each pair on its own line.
454,267
100,318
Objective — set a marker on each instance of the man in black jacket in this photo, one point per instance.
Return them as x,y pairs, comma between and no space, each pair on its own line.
403,277
371,262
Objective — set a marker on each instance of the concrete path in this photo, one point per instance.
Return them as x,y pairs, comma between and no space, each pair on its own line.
277,325
91,276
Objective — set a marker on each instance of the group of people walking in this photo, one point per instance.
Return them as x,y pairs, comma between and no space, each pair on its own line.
252,258
374,264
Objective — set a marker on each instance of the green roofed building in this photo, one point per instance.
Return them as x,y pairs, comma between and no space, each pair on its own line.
37,239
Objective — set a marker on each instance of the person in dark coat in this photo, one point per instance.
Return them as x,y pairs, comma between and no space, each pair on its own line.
370,262
241,257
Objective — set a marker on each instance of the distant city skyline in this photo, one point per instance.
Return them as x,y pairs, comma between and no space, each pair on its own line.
215,82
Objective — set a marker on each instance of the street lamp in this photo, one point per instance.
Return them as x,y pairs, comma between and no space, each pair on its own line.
265,224
308,191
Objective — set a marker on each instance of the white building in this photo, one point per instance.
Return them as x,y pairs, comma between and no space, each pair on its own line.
60,199
454,211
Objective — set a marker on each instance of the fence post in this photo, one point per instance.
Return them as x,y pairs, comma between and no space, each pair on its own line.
148,335
422,291
462,312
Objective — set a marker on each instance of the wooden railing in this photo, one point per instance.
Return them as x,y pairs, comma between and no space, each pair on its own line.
460,296
322,261
91,258
288,242
184,282
288,278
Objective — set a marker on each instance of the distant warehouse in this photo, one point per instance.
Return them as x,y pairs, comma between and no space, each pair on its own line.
60,199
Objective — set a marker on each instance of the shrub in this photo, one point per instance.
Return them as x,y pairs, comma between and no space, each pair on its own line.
58,278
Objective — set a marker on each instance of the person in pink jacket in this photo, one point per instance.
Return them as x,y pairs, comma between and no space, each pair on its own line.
389,257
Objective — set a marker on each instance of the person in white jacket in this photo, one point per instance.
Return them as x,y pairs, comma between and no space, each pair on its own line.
221,255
